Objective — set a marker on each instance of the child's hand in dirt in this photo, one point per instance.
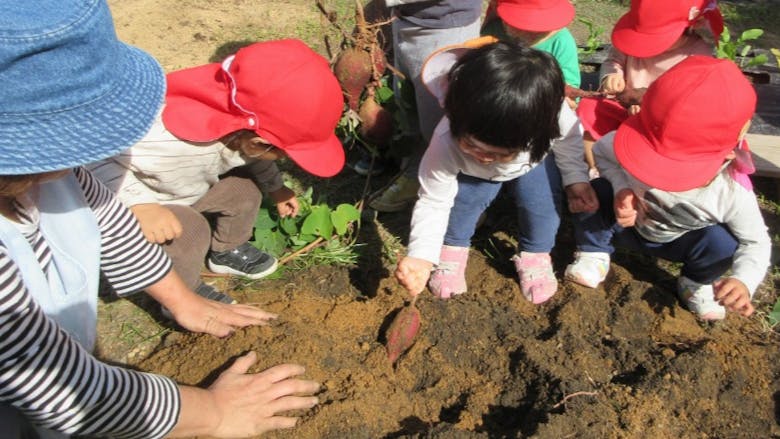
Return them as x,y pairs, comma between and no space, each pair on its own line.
582,198
625,208
286,202
241,404
613,84
733,295
413,274
157,222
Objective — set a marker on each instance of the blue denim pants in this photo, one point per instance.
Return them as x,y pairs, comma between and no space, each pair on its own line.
537,196
705,253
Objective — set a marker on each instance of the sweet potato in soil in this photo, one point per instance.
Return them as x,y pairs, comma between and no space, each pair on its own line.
488,364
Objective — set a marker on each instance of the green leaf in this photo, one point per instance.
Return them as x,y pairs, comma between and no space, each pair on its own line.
318,222
751,34
758,60
270,241
384,94
745,50
289,225
342,216
264,220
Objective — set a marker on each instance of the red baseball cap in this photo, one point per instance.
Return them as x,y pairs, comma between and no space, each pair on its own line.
282,90
690,121
651,27
536,15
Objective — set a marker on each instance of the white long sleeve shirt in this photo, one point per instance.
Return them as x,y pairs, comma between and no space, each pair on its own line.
664,216
442,162
161,168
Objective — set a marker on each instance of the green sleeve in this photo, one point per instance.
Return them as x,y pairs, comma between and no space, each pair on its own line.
564,48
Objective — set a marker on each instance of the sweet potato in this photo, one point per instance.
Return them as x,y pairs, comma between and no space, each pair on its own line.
376,123
401,333
353,70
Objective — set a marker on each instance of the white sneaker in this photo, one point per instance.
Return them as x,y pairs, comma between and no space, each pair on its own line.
700,299
588,269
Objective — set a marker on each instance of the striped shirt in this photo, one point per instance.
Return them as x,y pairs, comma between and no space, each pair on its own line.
49,377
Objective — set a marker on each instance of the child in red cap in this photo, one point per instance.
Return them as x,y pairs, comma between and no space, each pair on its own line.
540,24
505,114
221,129
648,40
672,170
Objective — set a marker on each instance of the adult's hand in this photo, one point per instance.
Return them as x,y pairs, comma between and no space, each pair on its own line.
239,404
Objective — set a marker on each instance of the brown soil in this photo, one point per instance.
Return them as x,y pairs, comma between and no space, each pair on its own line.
622,361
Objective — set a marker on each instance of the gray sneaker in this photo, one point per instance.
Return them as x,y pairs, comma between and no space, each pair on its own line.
244,260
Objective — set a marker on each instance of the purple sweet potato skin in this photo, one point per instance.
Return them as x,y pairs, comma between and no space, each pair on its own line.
401,333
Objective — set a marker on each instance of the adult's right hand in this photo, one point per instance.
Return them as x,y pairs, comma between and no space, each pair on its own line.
413,274
158,223
240,404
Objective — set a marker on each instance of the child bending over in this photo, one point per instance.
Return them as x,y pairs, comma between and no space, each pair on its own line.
679,193
648,40
223,126
504,109
540,24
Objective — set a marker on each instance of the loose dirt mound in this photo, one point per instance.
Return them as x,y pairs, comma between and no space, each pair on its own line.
622,361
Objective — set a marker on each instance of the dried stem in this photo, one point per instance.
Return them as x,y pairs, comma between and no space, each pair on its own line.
297,253
572,395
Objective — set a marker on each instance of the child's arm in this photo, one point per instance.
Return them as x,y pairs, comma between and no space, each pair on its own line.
609,167
612,73
569,158
744,220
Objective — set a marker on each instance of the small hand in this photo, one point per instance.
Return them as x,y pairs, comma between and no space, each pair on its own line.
286,202
198,314
613,84
733,295
251,404
413,274
158,223
582,198
625,208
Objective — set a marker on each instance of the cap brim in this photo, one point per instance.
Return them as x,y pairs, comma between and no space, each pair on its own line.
638,157
537,20
437,67
84,134
196,107
323,159
644,45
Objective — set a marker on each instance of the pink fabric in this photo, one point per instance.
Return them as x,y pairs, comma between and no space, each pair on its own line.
449,277
537,280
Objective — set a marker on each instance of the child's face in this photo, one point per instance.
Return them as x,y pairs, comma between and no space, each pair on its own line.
483,153
526,37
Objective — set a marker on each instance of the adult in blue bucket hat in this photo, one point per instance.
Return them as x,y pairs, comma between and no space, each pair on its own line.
73,94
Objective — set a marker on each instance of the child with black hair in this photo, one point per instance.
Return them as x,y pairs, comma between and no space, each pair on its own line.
505,111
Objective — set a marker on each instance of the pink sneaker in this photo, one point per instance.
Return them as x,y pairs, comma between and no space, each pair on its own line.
537,280
449,277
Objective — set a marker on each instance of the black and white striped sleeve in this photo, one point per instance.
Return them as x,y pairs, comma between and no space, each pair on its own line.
128,261
57,384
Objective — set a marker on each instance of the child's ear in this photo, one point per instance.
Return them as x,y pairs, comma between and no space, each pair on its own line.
259,142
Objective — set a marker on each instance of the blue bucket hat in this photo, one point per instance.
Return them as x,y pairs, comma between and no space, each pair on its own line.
71,93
